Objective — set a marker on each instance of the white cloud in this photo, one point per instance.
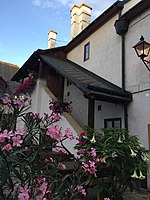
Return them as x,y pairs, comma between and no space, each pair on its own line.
63,2
43,3
98,5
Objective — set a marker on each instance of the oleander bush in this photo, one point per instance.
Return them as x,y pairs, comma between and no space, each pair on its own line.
36,165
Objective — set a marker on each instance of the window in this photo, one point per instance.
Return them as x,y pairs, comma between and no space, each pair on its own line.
86,51
112,123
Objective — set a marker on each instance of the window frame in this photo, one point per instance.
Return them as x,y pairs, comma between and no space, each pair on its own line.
113,121
86,51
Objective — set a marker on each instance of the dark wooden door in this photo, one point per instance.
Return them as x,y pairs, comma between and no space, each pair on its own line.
55,83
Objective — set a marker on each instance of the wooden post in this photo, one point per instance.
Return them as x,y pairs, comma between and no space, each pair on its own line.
40,68
91,112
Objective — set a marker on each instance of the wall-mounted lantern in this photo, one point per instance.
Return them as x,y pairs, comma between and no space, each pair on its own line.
142,49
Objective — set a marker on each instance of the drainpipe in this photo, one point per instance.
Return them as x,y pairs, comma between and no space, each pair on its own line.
121,26
123,81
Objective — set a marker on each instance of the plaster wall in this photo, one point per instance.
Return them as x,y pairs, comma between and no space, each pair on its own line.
138,79
129,5
137,74
40,104
105,53
139,116
80,108
79,103
108,111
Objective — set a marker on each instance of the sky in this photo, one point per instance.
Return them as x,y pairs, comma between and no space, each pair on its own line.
24,25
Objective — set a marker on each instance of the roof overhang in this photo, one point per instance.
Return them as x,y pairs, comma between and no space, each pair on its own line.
93,86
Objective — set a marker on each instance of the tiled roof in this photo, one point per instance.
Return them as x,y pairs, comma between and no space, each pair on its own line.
7,71
93,86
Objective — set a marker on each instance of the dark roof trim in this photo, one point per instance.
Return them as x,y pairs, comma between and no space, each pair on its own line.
109,97
136,10
96,24
28,65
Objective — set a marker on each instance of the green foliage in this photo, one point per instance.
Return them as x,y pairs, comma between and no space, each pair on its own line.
35,164
120,154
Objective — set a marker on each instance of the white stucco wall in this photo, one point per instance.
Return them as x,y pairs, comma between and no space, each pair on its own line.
138,79
108,111
105,61
40,104
79,103
80,108
105,53
139,116
129,5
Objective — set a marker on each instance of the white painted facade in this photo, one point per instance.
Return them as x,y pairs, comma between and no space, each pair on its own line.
105,49
40,104
138,79
129,5
107,111
79,103
105,61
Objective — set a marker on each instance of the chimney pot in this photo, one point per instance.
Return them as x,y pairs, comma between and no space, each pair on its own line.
51,39
80,18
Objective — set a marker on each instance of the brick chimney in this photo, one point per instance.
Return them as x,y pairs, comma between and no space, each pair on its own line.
80,18
51,39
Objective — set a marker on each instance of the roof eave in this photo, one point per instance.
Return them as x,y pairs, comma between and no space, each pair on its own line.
136,10
96,24
109,97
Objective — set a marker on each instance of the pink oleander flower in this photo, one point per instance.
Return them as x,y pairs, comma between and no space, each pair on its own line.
26,87
40,197
7,134
55,133
40,180
20,131
16,101
97,160
7,147
61,166
49,160
19,102
23,194
43,188
46,116
37,115
80,152
83,134
2,138
56,116
69,134
56,150
81,143
106,198
81,190
64,151
7,101
92,152
17,141
90,167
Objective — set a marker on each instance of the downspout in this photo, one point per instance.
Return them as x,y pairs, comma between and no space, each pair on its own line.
121,26
123,81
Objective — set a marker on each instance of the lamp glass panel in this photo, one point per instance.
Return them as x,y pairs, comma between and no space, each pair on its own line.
142,49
